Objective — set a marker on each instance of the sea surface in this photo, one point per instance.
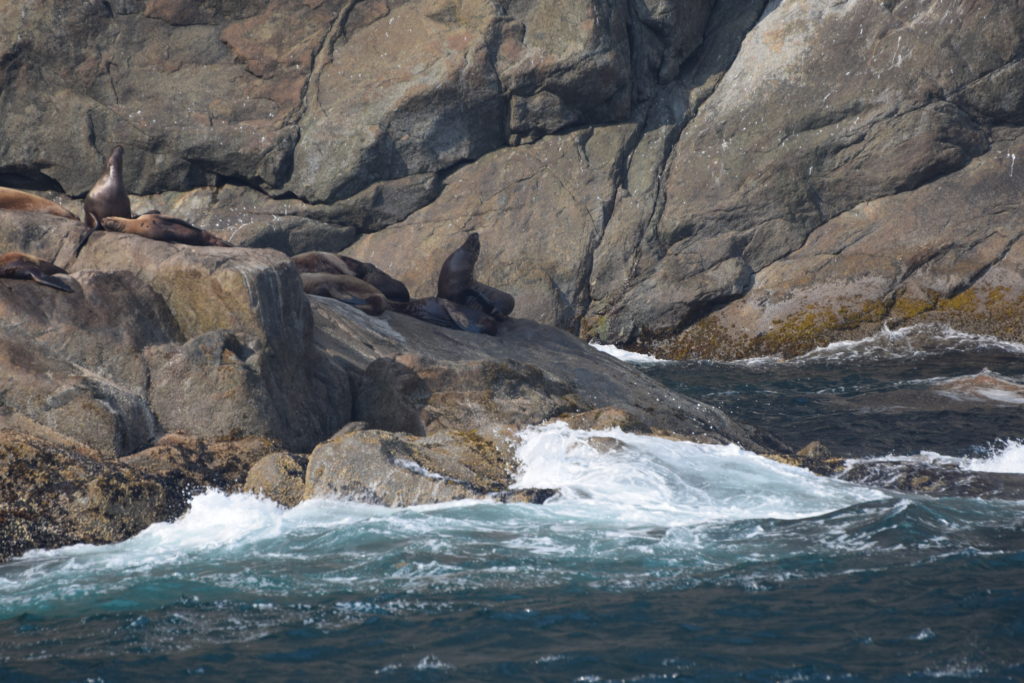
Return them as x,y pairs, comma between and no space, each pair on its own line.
658,560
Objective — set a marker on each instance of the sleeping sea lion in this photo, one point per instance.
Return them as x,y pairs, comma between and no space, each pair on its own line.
164,228
108,196
446,313
16,200
322,262
392,288
18,266
457,283
346,288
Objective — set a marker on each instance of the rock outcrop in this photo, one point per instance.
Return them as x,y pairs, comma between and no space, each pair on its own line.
701,178
712,178
172,368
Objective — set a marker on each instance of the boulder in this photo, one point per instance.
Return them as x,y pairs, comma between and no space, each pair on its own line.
54,492
388,468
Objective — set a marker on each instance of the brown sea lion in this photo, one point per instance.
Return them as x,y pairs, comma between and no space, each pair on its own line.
456,275
457,283
347,288
322,262
16,200
108,196
164,228
447,313
18,266
392,288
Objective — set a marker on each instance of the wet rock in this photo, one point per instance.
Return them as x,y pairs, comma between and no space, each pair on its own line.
936,479
191,464
279,476
395,469
815,457
54,493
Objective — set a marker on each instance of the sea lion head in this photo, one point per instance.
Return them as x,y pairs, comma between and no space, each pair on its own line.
116,156
472,244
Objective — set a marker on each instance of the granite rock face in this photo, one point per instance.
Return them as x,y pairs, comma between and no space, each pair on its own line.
703,178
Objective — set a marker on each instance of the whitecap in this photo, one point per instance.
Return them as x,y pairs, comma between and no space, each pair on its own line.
628,356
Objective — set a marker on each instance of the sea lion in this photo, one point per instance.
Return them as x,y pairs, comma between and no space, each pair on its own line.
19,266
108,196
322,262
16,200
392,288
346,288
457,283
164,228
447,313
456,275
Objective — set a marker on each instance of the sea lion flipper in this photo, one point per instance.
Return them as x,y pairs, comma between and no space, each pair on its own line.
85,236
48,280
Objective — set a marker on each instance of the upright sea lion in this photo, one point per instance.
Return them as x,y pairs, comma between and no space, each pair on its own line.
322,262
446,313
392,288
18,266
456,275
108,196
164,228
457,282
347,288
16,200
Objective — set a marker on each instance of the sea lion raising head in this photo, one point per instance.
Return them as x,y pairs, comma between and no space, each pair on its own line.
16,200
108,196
164,228
19,266
346,288
457,282
456,275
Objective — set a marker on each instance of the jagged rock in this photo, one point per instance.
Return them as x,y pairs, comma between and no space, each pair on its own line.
53,494
161,337
936,479
192,465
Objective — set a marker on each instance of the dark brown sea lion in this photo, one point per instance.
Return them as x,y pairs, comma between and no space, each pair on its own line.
456,275
108,196
347,288
446,313
16,200
18,266
457,283
164,228
322,262
392,288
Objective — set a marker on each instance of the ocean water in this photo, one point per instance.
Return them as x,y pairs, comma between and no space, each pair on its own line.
658,560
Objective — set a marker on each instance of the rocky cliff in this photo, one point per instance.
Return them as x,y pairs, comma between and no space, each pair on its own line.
706,177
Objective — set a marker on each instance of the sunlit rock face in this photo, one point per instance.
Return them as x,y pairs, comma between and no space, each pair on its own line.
711,178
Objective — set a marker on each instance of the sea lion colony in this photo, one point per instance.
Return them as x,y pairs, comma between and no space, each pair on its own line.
461,303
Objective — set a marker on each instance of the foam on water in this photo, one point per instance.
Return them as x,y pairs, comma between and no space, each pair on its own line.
611,475
628,356
909,342
1007,458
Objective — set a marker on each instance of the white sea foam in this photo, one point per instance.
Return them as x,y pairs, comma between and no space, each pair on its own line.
909,342
1007,458
645,480
628,356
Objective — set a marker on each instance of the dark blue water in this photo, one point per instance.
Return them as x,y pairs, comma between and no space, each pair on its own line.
659,560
